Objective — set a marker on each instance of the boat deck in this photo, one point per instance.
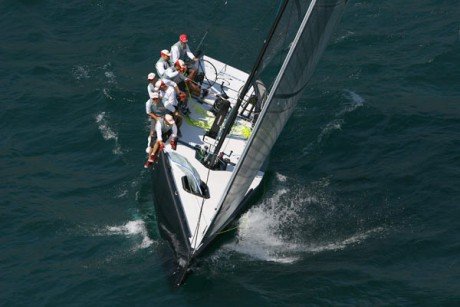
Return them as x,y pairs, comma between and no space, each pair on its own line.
218,76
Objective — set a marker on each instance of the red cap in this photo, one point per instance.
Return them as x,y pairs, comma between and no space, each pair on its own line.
183,38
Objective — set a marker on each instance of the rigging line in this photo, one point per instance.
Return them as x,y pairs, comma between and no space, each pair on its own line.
233,114
227,230
243,221
278,58
228,89
212,14
239,52
186,86
195,235
202,39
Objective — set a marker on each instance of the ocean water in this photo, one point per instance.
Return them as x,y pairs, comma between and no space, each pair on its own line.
362,201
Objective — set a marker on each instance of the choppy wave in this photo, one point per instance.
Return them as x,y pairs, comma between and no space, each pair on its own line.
106,93
354,101
109,79
121,193
332,126
107,132
109,74
127,188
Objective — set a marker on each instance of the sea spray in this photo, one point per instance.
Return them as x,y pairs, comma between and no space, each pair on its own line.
292,223
132,228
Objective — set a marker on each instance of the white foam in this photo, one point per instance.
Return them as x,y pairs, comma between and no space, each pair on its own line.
257,233
280,177
344,36
107,132
355,101
356,98
80,72
132,228
122,193
332,126
111,78
106,93
341,244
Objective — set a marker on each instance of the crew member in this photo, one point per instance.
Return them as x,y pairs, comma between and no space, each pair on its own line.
174,73
177,74
165,128
155,109
151,78
163,63
168,97
181,51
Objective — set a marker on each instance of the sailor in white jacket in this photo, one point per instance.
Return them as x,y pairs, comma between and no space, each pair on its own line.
168,97
163,63
165,128
151,78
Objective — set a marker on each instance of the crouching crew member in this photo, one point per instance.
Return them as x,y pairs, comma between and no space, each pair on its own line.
155,109
165,128
168,97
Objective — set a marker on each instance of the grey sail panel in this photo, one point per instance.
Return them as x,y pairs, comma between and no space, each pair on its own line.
284,33
305,50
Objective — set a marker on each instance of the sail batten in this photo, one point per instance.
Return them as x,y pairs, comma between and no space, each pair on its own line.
315,24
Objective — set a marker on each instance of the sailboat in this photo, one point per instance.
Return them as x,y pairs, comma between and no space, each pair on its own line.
203,185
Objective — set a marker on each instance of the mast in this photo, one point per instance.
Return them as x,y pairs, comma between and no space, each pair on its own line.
234,112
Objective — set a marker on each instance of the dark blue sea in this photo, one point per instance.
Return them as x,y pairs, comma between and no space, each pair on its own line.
361,205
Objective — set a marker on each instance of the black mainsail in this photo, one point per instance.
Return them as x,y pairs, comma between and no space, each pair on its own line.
303,28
